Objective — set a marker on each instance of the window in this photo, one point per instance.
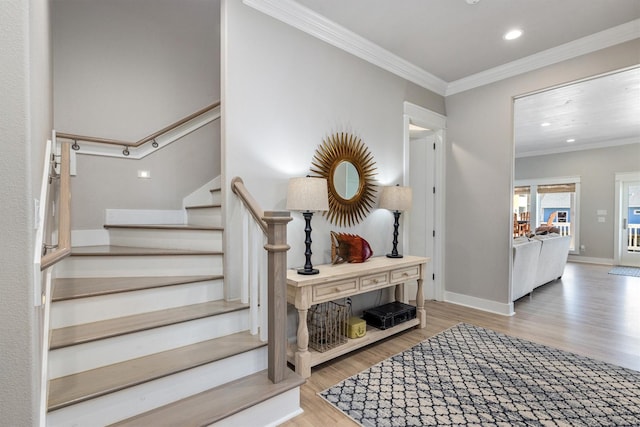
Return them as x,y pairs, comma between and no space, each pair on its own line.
554,201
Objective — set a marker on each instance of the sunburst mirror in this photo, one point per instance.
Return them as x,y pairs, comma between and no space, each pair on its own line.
345,162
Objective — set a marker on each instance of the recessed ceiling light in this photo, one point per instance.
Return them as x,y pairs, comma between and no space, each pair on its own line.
545,124
512,34
571,140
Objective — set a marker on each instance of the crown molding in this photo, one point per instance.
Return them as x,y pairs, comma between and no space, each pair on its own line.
294,14
304,19
603,39
568,149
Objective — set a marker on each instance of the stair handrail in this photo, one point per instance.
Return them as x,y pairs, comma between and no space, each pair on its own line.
99,140
238,188
63,211
274,226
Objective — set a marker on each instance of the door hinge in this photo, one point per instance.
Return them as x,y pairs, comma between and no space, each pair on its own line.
434,190
433,276
434,145
434,233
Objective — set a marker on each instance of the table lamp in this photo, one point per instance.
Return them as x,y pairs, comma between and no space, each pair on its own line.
396,199
307,195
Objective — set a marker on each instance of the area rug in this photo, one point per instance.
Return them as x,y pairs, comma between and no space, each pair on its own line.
468,375
625,271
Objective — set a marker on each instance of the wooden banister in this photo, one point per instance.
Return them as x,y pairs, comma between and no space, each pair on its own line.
98,140
277,293
63,211
274,226
238,188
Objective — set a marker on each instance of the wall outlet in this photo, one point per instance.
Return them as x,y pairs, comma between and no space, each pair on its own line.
601,219
583,248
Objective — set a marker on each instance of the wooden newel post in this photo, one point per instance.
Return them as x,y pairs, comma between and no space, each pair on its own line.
277,292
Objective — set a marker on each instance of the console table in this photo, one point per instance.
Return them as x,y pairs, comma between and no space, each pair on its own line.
344,280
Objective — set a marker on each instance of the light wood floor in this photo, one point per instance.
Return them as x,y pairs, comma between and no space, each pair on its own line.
588,312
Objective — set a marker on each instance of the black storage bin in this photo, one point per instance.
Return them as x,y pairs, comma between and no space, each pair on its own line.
389,315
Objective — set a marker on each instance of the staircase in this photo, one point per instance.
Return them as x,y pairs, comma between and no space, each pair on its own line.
141,334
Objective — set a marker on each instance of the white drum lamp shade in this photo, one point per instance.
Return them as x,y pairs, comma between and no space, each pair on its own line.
396,198
307,194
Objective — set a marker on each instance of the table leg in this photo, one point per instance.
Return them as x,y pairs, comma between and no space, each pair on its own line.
421,313
303,357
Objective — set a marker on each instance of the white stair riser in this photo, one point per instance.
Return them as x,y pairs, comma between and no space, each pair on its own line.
82,357
136,266
205,216
202,240
216,197
270,413
102,307
144,397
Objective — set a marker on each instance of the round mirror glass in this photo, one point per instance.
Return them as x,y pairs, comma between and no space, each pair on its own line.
346,180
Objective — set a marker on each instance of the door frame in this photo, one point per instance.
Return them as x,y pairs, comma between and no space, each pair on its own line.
621,178
429,119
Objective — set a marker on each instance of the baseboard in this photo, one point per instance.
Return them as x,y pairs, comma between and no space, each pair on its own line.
591,260
480,303
145,216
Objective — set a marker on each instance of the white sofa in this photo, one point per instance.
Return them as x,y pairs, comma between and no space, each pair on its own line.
536,261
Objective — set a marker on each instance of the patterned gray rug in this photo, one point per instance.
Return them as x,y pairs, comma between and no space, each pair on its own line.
625,271
468,375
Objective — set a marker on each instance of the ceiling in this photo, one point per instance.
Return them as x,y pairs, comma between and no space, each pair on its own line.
459,44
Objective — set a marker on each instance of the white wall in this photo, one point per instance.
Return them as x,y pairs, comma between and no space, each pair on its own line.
480,169
596,169
25,112
123,70
283,92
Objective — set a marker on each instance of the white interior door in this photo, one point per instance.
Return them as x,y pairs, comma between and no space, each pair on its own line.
629,229
424,172
421,218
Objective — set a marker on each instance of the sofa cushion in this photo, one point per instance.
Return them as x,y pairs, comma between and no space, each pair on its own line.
525,264
553,257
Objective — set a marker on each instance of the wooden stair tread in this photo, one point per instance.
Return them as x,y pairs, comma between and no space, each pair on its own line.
82,287
107,250
216,404
178,227
71,389
78,334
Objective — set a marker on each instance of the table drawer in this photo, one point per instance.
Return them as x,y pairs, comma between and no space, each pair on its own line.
402,274
374,281
334,290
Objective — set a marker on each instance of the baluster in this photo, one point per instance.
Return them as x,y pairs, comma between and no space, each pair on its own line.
244,286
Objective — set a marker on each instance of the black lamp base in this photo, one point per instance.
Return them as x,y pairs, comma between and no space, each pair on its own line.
308,269
396,222
309,272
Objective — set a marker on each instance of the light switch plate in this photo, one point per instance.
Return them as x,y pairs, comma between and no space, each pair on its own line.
602,212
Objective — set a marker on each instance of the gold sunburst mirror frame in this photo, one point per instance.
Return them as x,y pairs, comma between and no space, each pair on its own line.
335,157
